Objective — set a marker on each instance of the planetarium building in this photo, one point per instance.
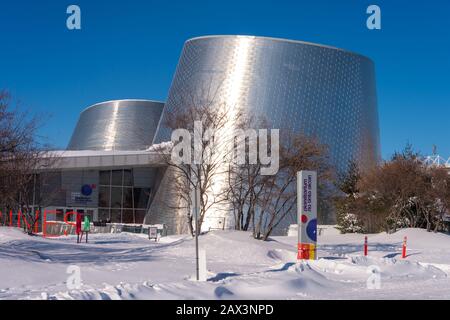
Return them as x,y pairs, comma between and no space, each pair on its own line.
110,172
304,87
117,125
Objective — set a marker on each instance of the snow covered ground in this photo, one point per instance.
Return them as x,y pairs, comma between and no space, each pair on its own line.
129,266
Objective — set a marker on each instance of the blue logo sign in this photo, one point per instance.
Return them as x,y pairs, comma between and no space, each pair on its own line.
86,190
311,230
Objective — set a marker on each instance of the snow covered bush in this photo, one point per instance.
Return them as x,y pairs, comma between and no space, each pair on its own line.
404,192
349,223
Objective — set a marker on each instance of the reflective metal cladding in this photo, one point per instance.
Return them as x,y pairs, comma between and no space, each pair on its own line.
117,125
304,87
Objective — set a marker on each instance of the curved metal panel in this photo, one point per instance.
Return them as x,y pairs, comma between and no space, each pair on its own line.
117,125
318,90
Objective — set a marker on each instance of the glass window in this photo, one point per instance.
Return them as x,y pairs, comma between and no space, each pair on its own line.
127,216
116,197
71,216
139,216
103,197
127,177
116,216
90,214
37,187
29,193
141,196
117,177
59,215
127,198
103,215
105,178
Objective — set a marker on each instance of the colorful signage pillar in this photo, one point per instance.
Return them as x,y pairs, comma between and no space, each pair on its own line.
307,214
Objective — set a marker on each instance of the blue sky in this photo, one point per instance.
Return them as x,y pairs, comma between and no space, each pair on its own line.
129,49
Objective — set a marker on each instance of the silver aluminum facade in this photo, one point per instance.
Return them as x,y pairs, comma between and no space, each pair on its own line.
318,90
117,125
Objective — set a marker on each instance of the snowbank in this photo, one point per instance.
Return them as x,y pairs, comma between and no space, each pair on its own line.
129,266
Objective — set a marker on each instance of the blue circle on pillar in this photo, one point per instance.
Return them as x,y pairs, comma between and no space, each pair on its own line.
311,230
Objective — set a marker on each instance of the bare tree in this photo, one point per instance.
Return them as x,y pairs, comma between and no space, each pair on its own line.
17,139
346,199
204,150
21,155
263,202
245,180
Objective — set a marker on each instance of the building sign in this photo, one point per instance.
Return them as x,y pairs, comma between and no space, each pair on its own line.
78,198
86,190
307,214
83,197
153,233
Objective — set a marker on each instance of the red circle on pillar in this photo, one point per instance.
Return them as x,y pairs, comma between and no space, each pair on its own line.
304,218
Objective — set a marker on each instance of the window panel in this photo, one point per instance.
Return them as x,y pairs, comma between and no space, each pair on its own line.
71,216
103,197
127,216
116,216
105,178
127,198
117,177
116,197
141,196
139,216
127,177
59,215
103,215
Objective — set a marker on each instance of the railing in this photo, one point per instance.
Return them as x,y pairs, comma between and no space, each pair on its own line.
437,160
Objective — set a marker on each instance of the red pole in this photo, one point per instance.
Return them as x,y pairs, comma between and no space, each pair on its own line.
404,247
366,249
36,224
